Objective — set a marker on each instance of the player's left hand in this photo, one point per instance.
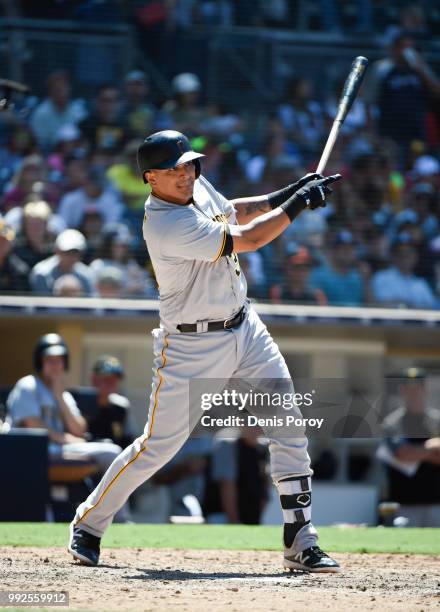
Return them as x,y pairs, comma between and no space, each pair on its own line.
314,192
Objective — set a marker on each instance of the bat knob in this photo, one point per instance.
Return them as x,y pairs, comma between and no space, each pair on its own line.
361,61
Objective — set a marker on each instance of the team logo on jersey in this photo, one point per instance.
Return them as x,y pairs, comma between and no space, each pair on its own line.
220,218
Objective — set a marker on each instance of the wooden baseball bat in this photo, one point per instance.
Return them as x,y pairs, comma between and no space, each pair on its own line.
348,95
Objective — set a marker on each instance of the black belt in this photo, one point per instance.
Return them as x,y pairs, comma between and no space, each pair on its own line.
187,328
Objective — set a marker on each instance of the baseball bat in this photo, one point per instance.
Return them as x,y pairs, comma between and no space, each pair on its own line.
13,86
348,95
9,87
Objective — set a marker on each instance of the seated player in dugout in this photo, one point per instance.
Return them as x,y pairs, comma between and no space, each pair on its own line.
41,400
411,451
108,413
208,329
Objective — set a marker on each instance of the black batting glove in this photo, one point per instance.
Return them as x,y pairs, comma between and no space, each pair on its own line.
277,198
312,195
314,192
310,176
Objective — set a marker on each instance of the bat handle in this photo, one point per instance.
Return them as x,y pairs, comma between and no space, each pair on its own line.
329,146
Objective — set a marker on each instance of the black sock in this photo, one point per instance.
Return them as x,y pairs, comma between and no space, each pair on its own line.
290,531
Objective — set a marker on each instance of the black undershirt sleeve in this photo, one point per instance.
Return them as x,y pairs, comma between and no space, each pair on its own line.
228,247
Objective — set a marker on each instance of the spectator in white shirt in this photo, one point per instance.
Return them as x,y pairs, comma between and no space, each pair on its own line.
70,246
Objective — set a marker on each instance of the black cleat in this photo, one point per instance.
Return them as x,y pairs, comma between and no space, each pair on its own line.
84,546
312,559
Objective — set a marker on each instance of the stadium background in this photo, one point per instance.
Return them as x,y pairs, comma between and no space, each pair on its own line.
244,54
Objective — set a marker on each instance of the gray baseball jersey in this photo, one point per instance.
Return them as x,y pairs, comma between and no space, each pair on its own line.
185,244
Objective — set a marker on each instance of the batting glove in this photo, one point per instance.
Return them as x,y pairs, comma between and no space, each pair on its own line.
277,198
312,195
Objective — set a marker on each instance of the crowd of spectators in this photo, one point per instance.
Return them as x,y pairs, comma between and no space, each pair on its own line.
71,199
359,16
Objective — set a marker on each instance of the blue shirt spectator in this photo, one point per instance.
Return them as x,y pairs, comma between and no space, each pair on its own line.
94,196
56,110
392,287
398,285
338,278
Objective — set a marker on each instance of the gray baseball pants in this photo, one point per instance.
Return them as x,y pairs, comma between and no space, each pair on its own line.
247,351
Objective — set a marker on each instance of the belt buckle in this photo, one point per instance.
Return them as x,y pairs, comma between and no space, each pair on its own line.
225,323
237,317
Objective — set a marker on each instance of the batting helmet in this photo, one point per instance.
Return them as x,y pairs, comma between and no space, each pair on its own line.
166,149
50,344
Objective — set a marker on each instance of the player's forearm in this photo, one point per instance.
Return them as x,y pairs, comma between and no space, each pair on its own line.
255,206
260,231
37,423
248,209
76,425
411,453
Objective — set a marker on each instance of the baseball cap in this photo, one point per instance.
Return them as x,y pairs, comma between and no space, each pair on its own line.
6,231
71,240
343,237
107,364
135,75
118,233
406,216
186,82
403,238
435,246
110,274
426,165
37,210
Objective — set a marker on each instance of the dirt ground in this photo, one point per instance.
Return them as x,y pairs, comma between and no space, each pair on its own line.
197,580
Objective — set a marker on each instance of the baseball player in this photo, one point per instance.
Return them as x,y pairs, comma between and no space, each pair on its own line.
207,330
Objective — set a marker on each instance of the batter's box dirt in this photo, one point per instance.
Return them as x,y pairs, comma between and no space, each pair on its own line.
201,580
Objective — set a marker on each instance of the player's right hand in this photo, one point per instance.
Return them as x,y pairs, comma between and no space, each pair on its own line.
310,176
314,192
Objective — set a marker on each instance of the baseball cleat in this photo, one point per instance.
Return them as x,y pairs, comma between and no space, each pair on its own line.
83,546
311,559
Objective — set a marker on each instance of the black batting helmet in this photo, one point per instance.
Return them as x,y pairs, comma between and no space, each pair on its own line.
50,344
166,149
